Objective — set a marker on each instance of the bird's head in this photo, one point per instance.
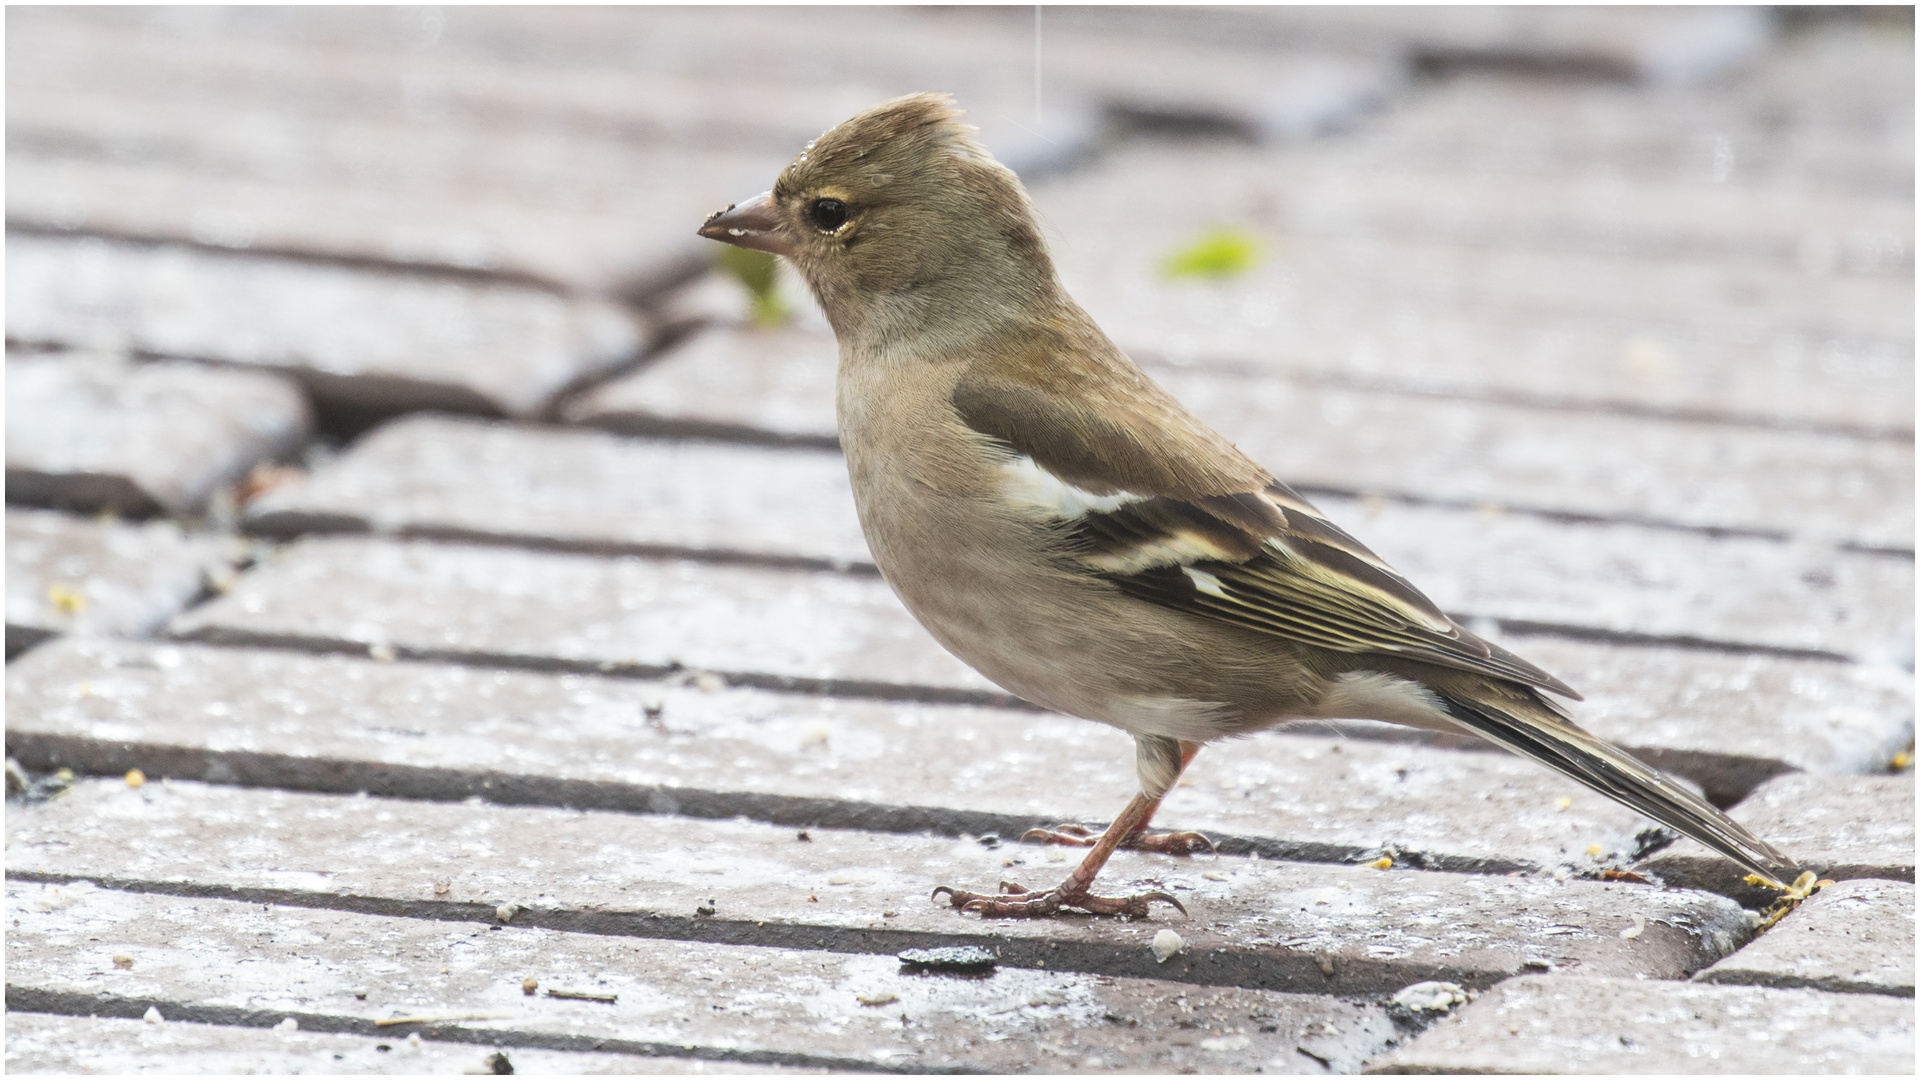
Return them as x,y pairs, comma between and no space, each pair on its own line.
899,216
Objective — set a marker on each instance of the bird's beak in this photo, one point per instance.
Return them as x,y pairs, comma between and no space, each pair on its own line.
752,224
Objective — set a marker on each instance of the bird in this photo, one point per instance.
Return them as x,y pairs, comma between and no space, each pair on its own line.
1061,523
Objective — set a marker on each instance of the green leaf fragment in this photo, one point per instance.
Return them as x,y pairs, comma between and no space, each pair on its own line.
1218,253
758,271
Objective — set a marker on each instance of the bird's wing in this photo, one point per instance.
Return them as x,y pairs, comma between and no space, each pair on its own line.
1166,509
1300,577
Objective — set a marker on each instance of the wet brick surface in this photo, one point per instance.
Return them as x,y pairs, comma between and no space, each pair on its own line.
778,387
1542,1024
1596,322
93,433
759,386
579,489
804,628
1524,572
47,1043
780,757
1250,923
1841,827
69,575
747,1002
1854,936
379,342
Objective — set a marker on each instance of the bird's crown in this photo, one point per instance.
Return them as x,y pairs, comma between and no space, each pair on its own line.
893,135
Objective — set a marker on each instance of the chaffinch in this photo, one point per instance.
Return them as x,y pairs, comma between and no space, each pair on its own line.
1058,521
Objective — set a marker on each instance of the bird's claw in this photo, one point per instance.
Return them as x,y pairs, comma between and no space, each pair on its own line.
1017,902
1071,835
1179,843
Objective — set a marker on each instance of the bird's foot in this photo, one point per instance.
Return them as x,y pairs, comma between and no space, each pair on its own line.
1178,843
1018,902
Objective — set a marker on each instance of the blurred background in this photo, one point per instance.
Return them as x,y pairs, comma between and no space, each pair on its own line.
1465,244
1629,268
377,423
1646,267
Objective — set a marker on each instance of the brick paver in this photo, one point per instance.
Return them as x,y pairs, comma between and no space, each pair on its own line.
1699,475
1843,827
1824,115
778,757
749,385
1853,937
379,342
1554,1024
1596,322
1527,573
1660,46
777,387
802,628
332,77
1496,322
577,489
589,243
1729,721
1267,924
68,575
46,1043
94,433
734,1001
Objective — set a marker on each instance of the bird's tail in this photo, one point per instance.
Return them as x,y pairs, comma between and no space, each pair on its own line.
1533,729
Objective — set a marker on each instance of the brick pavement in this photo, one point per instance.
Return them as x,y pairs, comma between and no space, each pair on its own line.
1596,323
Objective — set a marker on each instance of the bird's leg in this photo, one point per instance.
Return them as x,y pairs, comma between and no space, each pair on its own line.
1177,843
1077,891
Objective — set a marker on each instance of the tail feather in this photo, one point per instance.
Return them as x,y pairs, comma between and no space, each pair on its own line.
1565,747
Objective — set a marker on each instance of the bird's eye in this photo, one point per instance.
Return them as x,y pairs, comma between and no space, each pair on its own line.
827,215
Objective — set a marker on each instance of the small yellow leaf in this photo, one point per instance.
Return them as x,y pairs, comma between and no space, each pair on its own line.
135,778
1217,253
66,599
1381,863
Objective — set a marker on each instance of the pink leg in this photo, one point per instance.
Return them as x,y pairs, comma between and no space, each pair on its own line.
1077,890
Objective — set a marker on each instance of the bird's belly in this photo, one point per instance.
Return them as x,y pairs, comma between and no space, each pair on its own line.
995,591
997,587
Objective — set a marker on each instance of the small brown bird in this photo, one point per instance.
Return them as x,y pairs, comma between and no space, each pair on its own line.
1062,524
